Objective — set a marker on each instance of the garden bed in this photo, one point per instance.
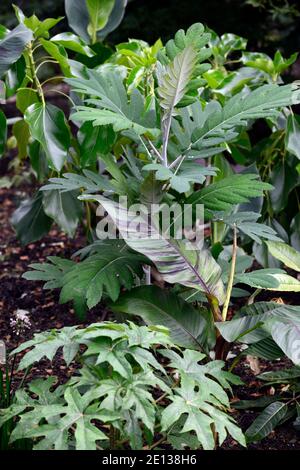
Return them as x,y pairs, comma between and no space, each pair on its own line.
46,313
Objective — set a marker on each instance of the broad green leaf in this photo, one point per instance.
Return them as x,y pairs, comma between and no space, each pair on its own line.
74,43
292,136
176,263
281,376
52,273
247,327
94,141
46,344
21,132
113,106
3,132
270,279
219,125
12,46
264,424
159,307
285,253
232,190
78,414
58,52
25,98
30,221
200,412
49,127
64,208
266,349
106,270
90,181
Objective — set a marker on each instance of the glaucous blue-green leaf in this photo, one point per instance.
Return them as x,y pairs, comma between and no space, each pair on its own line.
12,45
48,126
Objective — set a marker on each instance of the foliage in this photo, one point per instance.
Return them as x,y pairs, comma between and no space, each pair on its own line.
160,125
114,388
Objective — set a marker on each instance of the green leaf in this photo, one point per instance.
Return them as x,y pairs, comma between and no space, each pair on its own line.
46,345
3,132
79,16
64,208
175,263
52,273
113,106
174,79
58,52
74,43
285,253
270,279
78,413
292,135
201,412
30,221
232,190
265,423
12,46
89,181
94,141
21,132
99,11
159,307
246,222
107,270
49,127
246,328
216,125
25,98
281,376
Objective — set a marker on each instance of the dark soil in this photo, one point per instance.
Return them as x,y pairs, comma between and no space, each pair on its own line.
46,313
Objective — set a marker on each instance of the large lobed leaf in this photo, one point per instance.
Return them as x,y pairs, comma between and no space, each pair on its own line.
113,106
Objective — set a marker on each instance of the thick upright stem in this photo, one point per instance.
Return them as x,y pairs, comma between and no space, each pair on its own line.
231,275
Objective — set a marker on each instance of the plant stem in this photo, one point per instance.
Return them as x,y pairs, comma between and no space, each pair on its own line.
166,133
112,438
231,275
35,79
